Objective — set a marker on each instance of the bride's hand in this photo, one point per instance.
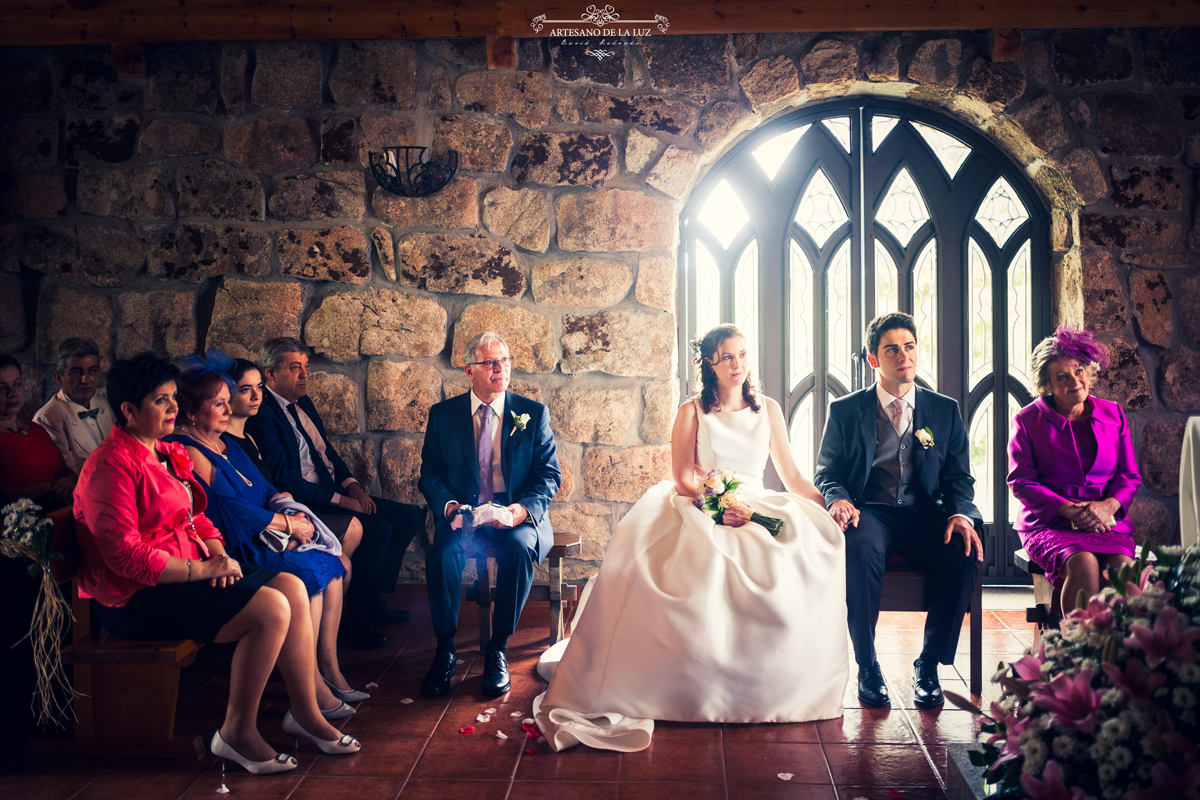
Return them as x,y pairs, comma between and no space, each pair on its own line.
736,516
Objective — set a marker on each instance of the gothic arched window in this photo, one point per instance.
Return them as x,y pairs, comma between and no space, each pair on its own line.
815,223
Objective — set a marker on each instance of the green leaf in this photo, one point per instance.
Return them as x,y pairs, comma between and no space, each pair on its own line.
977,758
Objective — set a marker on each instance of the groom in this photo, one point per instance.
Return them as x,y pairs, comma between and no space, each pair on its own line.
894,471
486,446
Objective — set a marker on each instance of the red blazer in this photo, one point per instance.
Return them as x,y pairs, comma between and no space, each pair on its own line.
131,517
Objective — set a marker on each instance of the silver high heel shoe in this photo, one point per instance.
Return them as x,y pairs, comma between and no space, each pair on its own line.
345,746
221,749
340,711
346,695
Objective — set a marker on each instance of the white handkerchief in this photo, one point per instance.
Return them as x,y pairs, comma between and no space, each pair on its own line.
484,515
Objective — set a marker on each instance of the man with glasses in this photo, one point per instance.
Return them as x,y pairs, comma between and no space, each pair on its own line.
77,417
491,450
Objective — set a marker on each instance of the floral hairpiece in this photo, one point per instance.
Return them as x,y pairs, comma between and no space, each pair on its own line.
694,345
1080,345
212,361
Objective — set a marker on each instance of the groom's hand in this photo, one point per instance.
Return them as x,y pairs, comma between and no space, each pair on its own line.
964,528
844,513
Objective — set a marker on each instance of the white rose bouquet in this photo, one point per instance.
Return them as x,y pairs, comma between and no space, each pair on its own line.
1107,706
717,493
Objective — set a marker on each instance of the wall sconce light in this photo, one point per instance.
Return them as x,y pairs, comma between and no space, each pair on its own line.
412,178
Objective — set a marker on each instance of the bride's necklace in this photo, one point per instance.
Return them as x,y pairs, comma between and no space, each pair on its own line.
195,434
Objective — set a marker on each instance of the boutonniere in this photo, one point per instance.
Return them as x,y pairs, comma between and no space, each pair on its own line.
925,437
519,421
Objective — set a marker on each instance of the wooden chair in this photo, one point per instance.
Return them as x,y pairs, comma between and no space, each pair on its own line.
1046,611
126,692
483,591
904,590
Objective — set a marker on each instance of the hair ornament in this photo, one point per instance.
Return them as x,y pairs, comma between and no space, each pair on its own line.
1080,345
212,361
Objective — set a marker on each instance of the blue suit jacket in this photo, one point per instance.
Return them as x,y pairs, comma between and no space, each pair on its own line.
848,450
528,461
272,430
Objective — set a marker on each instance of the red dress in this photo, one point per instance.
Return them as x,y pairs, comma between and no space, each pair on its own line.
32,458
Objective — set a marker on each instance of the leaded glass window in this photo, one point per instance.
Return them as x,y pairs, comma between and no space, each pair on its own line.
815,223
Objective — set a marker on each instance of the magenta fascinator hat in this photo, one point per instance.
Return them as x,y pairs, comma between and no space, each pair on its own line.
1080,345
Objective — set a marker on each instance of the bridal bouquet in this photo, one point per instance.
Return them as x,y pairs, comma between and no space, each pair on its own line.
1106,707
29,535
716,494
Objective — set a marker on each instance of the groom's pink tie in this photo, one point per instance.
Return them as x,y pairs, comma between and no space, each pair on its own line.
485,454
896,413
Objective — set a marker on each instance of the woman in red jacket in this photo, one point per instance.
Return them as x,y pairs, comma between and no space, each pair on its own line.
156,568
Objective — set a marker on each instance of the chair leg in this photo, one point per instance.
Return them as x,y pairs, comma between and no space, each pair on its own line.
556,615
977,638
484,567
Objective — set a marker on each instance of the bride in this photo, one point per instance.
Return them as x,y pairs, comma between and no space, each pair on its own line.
696,621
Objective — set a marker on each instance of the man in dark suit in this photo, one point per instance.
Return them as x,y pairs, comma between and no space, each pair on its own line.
294,444
486,446
894,470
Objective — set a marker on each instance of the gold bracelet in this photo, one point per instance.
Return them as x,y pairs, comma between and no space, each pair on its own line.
189,577
287,520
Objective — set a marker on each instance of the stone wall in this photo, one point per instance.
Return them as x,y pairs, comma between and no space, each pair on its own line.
221,196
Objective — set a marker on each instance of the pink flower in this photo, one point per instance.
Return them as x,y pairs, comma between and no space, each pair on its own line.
1071,700
1014,726
1134,679
1164,640
1098,614
1168,785
1051,786
1164,736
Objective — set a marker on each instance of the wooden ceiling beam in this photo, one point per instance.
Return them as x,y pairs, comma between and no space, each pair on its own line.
46,23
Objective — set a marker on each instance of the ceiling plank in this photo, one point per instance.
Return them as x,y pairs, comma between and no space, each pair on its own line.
34,23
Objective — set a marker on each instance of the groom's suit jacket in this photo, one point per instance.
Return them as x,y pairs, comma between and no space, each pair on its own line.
528,461
848,451
272,430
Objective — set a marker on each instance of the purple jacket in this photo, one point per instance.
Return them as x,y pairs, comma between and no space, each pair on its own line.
1044,469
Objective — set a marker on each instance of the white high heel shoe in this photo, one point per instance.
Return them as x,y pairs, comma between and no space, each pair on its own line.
221,749
345,746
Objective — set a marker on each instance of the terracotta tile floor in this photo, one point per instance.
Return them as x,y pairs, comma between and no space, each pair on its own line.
415,750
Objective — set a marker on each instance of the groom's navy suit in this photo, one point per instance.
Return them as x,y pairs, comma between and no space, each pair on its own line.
450,474
848,469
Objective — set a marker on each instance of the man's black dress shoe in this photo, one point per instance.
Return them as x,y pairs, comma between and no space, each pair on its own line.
441,672
362,633
382,615
871,689
927,692
495,674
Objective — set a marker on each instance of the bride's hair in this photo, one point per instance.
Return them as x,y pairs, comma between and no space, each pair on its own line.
703,350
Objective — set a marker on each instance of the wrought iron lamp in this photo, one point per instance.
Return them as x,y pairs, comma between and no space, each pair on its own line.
415,177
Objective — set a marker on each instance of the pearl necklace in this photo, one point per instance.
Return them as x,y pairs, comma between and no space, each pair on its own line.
195,434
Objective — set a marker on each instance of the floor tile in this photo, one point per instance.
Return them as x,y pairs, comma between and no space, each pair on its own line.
901,620
525,687
322,788
770,732
781,791
877,725
241,785
674,760
579,763
692,731
480,757
946,725
420,789
565,790
672,791
121,786
379,719
884,793
463,715
404,681
888,765
45,785
761,762
382,758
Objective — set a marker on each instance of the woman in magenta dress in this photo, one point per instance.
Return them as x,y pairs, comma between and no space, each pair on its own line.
1072,467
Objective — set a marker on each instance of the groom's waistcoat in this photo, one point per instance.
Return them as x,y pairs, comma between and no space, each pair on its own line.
893,478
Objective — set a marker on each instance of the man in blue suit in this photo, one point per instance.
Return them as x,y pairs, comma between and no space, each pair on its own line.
895,473
293,442
486,446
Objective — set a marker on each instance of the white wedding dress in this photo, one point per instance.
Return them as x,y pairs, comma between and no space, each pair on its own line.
698,622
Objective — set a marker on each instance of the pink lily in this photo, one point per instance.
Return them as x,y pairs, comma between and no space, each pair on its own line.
1168,785
1164,640
1051,786
1098,614
1164,736
1134,679
1138,589
1071,700
1013,728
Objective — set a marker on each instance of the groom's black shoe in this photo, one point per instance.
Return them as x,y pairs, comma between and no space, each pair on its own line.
495,674
927,692
871,689
441,672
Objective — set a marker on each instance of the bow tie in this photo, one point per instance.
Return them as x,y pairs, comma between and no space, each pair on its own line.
87,414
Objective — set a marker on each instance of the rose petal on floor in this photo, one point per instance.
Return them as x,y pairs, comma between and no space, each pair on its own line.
786,776
500,735
468,729
406,700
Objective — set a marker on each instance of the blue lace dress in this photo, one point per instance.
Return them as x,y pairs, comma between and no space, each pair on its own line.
240,512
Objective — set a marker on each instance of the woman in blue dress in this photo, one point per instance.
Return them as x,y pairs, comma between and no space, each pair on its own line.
240,505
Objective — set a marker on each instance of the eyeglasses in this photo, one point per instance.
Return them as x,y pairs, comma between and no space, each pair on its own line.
494,363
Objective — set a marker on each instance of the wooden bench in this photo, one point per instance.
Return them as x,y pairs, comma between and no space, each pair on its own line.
483,591
904,590
126,692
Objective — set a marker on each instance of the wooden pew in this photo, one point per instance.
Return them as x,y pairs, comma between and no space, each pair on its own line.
126,692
